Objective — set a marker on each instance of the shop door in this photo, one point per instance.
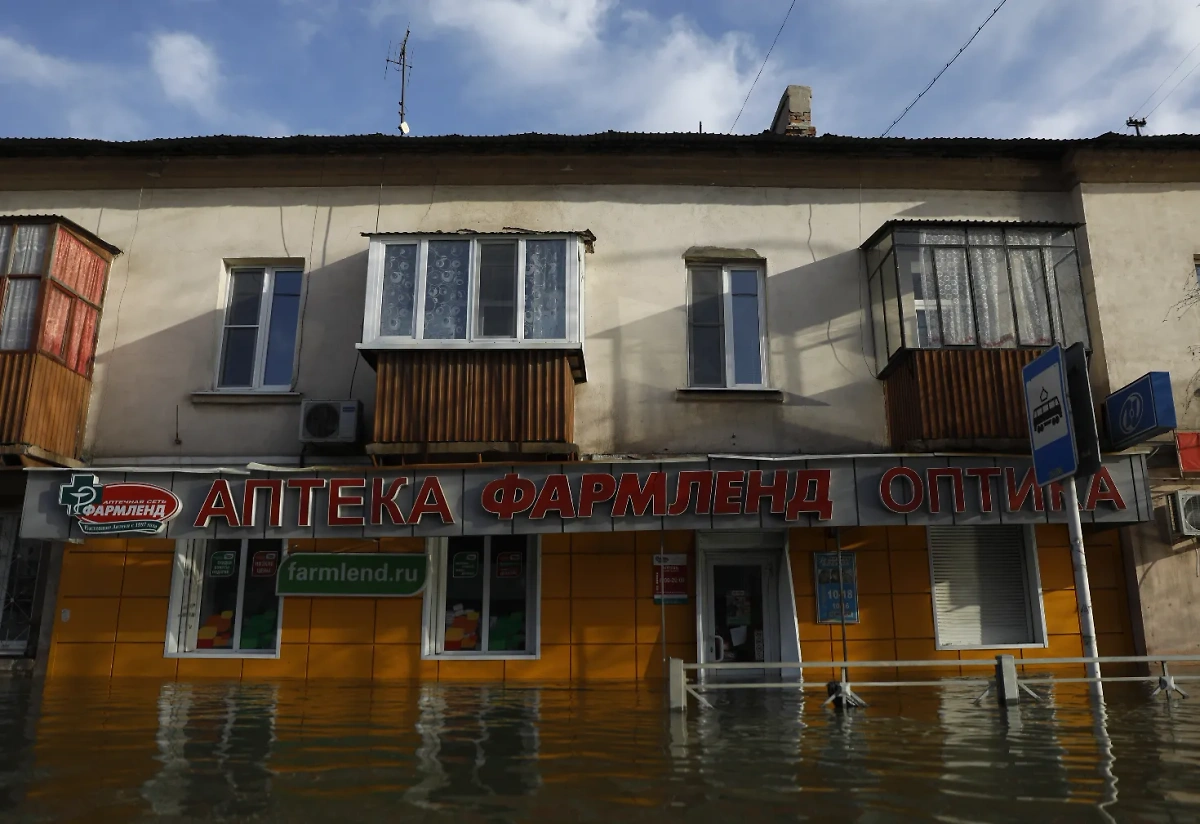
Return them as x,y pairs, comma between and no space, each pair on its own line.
741,613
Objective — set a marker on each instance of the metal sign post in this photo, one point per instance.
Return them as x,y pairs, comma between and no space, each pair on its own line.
1052,437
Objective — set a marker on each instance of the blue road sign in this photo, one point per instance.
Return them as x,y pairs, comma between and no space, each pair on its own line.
1049,413
1141,410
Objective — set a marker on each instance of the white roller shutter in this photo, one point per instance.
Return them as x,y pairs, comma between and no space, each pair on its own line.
981,586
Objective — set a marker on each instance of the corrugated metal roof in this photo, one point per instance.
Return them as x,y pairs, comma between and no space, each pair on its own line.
585,235
766,142
916,221
70,224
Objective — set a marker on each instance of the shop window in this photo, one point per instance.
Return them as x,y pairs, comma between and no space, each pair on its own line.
974,286
726,329
487,290
985,587
258,342
223,600
482,598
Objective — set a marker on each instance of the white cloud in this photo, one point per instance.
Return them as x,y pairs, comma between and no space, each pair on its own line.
25,64
188,71
592,65
118,102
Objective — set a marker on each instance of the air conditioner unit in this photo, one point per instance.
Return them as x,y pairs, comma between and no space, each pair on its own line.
1187,512
329,421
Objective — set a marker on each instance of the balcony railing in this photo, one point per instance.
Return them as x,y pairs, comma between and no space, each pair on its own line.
957,399
473,403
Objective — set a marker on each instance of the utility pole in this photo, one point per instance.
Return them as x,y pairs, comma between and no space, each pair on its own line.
1137,124
405,68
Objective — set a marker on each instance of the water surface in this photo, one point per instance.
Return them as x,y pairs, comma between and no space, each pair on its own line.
117,751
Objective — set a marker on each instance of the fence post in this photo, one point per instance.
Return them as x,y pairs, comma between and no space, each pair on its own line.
677,685
1007,691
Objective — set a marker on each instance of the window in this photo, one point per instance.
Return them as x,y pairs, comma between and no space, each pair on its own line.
258,342
47,272
483,597
488,290
726,336
985,587
984,286
223,599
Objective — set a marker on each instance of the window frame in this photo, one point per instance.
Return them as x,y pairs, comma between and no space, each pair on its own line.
373,305
175,616
727,331
1033,595
261,341
433,608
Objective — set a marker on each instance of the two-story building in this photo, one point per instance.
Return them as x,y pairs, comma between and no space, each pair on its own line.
555,408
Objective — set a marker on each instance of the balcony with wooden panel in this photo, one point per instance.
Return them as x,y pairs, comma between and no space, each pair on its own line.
53,275
957,310
477,344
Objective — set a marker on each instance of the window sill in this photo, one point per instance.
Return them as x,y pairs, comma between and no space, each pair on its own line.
497,656
246,397
240,656
695,393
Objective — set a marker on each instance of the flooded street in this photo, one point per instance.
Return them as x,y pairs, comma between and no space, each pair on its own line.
179,752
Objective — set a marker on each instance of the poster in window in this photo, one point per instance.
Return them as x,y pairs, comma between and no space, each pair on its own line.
830,600
464,565
737,608
222,564
264,563
508,564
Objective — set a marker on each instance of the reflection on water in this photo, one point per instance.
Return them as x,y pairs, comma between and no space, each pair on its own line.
118,751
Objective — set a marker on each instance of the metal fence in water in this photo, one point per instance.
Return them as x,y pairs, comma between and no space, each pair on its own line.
1007,683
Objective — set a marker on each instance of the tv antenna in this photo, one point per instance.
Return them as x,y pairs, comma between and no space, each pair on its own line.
400,61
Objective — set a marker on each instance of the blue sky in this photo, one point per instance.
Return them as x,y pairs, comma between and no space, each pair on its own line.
162,68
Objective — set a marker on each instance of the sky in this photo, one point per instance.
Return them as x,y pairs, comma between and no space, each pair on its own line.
167,68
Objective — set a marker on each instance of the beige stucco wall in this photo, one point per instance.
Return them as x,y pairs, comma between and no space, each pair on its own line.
159,334
1142,240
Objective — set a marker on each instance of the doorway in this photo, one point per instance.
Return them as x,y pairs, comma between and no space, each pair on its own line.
745,606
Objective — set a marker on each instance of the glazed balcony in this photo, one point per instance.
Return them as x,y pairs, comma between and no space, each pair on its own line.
52,280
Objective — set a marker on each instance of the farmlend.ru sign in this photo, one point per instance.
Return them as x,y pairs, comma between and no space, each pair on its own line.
343,573
720,493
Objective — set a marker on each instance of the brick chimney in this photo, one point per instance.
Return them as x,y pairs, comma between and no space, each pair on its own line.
794,115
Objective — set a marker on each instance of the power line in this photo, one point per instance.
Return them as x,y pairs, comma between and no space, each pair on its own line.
1173,88
763,66
1165,79
943,71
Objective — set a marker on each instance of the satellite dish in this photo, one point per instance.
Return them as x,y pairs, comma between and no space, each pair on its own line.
403,127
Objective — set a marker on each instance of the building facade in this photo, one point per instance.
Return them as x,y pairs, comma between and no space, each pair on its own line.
554,409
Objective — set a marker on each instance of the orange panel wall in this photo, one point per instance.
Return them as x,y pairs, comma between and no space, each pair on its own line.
896,609
599,621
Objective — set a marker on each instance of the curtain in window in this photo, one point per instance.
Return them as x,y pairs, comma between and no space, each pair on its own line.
399,290
83,339
54,329
1029,293
29,250
20,312
545,289
446,277
989,278
954,296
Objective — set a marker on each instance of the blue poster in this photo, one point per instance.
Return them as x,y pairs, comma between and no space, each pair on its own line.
829,600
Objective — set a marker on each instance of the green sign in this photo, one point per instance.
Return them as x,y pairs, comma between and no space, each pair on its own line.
344,573
222,563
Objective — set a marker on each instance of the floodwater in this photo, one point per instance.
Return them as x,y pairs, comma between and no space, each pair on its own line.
113,751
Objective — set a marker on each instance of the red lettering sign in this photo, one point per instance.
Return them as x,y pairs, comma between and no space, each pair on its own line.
917,489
